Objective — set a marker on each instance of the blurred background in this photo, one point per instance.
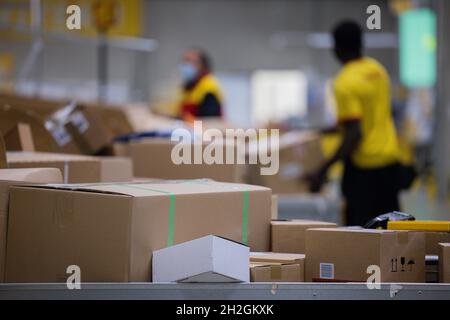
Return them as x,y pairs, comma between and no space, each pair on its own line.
273,59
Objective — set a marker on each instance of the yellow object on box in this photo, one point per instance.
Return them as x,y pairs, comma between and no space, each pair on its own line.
442,226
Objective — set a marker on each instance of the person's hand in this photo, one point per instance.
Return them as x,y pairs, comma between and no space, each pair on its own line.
315,180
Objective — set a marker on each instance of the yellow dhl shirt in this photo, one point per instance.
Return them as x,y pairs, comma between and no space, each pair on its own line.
192,99
362,91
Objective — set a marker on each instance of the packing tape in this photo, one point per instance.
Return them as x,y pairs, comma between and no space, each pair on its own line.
66,172
275,272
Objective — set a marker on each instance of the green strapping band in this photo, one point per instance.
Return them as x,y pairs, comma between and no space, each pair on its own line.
170,232
245,218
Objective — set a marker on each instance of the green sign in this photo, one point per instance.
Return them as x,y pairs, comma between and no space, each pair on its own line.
417,29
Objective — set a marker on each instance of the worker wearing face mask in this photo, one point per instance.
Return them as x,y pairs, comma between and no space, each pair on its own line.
201,96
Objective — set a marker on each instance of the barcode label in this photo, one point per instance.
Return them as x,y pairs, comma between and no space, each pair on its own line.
61,136
79,121
326,271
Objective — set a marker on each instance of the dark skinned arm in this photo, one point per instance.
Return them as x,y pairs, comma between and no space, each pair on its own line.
350,141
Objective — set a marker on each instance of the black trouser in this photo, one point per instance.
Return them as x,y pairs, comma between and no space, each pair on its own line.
369,192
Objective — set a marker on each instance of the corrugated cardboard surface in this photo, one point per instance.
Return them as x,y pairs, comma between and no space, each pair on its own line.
116,169
20,138
9,177
351,252
269,267
111,230
152,158
444,262
75,169
290,236
432,240
258,257
300,153
277,272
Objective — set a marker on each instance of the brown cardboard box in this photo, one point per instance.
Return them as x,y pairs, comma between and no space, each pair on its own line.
9,177
116,169
85,126
76,168
47,136
152,158
270,267
432,240
300,153
19,138
121,149
111,230
342,254
444,262
114,118
289,236
43,107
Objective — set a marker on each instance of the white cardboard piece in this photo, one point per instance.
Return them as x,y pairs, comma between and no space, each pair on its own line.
207,259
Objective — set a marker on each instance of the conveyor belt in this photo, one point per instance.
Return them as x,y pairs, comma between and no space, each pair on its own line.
248,291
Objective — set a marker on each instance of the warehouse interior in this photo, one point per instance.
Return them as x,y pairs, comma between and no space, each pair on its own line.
91,93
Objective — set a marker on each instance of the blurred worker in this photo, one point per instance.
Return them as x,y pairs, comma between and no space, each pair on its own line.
202,96
369,148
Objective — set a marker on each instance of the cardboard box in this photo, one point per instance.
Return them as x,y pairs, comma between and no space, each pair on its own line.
299,153
289,236
275,267
20,138
116,169
152,158
85,126
40,106
9,177
208,259
444,262
432,240
344,255
76,168
47,136
111,230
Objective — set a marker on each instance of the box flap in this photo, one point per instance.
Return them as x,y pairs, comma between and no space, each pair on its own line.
34,175
273,257
301,222
167,187
24,157
347,230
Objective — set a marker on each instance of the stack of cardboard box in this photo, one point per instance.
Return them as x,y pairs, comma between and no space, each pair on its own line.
300,153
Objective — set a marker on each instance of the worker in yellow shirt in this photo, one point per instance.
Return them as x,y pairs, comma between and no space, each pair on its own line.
369,148
201,96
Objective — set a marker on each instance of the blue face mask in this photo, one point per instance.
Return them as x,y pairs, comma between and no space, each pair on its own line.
187,71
